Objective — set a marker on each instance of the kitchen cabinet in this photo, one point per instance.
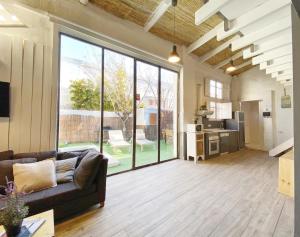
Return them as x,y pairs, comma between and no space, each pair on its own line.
224,142
233,141
195,145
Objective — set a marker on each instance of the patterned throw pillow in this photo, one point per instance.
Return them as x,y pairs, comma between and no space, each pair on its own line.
65,170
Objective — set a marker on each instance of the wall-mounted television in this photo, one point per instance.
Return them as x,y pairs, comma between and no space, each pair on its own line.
4,99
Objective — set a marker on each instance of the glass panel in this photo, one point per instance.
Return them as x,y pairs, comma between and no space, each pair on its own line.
212,83
168,124
212,91
219,85
212,107
219,93
79,109
118,111
147,114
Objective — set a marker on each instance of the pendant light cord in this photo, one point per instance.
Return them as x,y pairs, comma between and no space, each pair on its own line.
174,29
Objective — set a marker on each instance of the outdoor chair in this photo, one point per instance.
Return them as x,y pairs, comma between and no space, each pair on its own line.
142,141
116,140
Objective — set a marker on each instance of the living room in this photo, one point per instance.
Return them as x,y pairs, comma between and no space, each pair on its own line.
102,103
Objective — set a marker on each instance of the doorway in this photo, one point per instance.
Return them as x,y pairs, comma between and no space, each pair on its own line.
253,125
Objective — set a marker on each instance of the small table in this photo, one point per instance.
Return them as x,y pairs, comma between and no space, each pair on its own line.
47,229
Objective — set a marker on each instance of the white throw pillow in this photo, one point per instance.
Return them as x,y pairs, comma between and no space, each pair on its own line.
34,176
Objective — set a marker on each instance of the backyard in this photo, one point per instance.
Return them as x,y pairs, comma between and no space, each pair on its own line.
124,156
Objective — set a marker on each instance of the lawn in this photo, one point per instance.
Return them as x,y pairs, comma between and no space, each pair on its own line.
124,156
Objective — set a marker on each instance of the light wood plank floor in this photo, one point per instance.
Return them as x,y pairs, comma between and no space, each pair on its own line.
232,195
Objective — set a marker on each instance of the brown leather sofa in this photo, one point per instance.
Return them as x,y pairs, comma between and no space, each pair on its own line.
66,199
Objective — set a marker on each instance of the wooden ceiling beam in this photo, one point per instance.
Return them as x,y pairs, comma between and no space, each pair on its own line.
276,53
267,46
157,14
252,16
205,38
276,62
250,38
209,9
217,50
226,61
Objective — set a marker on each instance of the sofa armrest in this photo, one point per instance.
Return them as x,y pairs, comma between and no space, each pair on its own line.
101,179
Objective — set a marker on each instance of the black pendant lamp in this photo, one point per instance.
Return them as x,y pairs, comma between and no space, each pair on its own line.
174,57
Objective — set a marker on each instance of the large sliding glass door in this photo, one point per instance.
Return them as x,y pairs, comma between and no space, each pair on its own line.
79,101
147,114
119,105
118,110
168,115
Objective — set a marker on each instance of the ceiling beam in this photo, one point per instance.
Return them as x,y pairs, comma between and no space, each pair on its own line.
287,83
276,53
267,46
276,62
282,73
285,77
252,16
208,10
279,68
217,50
205,38
157,14
226,61
250,38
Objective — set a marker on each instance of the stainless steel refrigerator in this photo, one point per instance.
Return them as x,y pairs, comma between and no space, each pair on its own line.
237,123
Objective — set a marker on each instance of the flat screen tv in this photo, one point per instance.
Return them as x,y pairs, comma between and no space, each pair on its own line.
4,99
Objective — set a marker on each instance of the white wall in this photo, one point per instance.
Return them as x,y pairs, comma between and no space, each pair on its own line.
256,85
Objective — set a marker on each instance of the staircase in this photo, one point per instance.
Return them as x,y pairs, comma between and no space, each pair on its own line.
282,148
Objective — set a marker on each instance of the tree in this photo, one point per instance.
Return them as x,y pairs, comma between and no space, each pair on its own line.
85,95
118,93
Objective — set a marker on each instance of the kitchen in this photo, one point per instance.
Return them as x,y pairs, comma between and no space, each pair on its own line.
209,138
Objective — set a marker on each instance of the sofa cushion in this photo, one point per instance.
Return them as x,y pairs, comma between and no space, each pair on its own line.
65,170
72,154
35,176
86,172
6,168
49,198
6,155
38,155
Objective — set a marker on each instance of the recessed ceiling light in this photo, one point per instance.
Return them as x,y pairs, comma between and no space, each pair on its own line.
14,18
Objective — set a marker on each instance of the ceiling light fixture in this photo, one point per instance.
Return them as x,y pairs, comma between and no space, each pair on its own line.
231,68
84,2
174,57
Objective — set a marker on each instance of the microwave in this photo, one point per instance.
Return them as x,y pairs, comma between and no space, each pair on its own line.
194,127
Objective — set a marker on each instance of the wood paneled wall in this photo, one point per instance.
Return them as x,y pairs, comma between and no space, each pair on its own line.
32,123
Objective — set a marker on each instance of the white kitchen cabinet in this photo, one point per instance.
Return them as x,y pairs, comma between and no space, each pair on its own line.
195,145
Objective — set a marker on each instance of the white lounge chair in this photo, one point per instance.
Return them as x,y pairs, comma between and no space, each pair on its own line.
142,141
116,139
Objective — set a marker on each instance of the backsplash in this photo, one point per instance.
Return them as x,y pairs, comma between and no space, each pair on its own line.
212,123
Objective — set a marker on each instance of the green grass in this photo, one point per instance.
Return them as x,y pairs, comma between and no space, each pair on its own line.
124,156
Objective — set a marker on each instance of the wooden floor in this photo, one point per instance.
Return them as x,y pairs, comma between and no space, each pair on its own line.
232,195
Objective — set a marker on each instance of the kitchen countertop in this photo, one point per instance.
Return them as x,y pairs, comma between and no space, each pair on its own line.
218,130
